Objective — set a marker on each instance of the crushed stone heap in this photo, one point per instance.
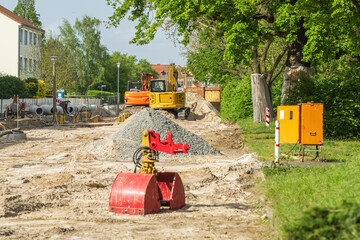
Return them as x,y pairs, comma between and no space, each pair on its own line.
123,143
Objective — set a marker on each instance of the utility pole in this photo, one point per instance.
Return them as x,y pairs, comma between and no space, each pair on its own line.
53,59
118,96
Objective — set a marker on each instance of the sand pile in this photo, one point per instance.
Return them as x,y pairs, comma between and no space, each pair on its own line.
123,143
201,108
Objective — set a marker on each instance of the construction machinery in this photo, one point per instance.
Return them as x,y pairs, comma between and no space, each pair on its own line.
145,192
164,94
138,92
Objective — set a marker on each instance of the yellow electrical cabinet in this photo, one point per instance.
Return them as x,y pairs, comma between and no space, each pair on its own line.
301,123
311,124
289,119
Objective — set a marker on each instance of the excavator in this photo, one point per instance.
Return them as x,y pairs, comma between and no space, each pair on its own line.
138,92
164,94
146,191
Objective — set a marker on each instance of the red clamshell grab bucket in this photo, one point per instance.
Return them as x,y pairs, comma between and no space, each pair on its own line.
171,190
140,194
134,194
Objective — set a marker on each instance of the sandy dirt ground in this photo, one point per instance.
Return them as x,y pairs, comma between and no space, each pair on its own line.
51,189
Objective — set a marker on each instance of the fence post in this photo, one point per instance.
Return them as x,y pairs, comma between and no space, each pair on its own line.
267,117
277,142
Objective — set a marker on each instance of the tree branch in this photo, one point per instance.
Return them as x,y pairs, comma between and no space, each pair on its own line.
356,6
281,69
264,55
277,61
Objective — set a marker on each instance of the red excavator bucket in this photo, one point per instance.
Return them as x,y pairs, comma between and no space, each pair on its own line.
171,190
134,194
140,194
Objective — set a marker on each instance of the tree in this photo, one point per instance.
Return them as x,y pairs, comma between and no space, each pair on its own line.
66,75
11,86
303,32
130,70
82,41
26,9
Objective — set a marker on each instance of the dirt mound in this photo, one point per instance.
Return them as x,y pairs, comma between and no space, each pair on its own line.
24,124
127,139
201,108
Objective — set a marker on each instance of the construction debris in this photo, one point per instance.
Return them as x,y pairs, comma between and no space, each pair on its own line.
122,143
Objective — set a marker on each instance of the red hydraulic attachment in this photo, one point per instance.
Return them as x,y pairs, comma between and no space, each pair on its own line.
166,145
140,194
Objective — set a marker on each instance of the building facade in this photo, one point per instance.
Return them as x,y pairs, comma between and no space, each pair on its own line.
184,79
20,45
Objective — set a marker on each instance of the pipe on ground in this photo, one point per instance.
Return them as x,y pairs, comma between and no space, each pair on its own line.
35,109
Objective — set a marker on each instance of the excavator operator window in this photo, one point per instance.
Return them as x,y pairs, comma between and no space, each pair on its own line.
158,86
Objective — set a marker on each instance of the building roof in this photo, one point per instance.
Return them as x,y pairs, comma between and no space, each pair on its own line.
19,19
160,69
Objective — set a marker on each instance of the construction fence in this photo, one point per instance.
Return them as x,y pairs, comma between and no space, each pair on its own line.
106,100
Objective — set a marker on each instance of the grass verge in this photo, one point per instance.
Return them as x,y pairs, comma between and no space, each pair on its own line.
293,191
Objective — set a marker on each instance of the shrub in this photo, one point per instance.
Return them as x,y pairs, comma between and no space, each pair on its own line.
338,88
98,93
32,87
341,222
10,86
95,86
236,100
41,93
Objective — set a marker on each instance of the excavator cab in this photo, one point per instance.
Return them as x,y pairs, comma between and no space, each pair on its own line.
138,92
158,85
165,95
134,86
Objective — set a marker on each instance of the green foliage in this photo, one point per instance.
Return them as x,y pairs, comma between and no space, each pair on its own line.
291,190
66,74
329,26
32,87
96,85
11,86
82,41
340,222
98,93
41,93
337,86
236,100
130,69
26,9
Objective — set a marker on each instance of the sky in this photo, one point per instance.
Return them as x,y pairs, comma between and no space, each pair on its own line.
161,50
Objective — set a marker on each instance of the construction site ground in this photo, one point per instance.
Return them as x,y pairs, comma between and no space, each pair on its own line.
51,189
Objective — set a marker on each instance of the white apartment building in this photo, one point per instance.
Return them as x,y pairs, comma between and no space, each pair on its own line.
20,43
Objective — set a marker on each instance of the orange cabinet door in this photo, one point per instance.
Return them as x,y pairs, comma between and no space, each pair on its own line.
311,123
289,120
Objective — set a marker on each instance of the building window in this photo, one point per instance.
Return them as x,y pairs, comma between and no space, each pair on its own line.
20,36
20,63
26,64
26,37
35,36
30,38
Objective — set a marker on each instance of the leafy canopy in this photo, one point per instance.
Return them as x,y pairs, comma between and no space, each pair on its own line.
331,26
26,9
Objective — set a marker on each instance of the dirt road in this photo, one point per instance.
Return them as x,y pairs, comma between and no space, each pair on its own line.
50,188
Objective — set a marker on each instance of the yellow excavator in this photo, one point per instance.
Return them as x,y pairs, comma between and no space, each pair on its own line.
164,94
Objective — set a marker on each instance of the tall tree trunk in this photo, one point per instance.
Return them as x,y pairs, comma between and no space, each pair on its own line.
294,62
260,97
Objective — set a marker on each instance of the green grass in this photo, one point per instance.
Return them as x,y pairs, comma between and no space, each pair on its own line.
292,190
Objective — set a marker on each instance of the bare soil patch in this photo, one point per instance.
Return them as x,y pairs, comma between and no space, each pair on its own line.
50,188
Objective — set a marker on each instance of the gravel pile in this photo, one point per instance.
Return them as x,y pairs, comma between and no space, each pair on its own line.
127,139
